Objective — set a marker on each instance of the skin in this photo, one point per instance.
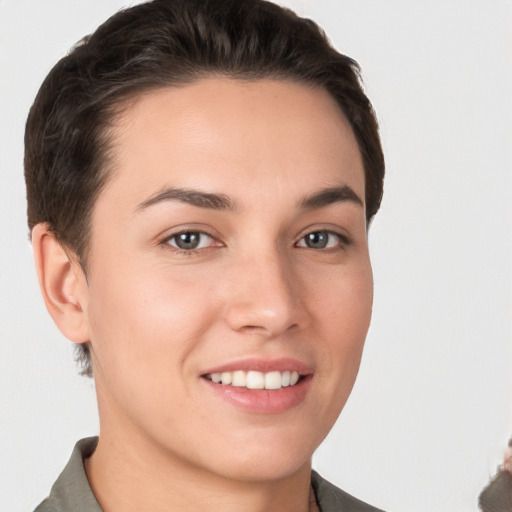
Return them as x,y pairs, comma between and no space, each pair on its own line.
158,317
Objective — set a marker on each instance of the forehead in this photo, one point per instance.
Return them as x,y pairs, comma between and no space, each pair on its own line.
219,133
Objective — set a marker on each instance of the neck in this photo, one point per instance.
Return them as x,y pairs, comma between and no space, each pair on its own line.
133,476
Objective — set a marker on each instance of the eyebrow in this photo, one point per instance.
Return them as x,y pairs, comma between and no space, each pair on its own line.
328,196
193,197
319,199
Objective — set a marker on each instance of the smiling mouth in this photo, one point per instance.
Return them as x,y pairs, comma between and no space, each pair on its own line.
256,380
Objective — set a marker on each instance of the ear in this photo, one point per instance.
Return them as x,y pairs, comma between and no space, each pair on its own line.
62,284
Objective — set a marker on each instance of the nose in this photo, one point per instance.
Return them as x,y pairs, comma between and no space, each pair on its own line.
264,296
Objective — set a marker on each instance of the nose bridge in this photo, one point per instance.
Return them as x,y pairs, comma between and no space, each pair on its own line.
265,293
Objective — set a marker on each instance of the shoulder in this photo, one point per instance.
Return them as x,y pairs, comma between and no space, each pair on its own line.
48,505
71,491
332,499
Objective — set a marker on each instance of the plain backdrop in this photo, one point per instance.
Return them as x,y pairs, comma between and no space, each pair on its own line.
430,414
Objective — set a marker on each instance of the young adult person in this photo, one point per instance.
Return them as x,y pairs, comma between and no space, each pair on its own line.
201,176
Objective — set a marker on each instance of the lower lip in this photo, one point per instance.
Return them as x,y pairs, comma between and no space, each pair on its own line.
263,401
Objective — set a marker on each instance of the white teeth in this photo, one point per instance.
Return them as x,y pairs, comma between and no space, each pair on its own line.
226,377
255,380
239,379
273,380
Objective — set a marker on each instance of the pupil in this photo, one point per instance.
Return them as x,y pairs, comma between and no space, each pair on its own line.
316,240
187,240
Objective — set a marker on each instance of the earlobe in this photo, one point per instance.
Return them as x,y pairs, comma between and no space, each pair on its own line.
62,284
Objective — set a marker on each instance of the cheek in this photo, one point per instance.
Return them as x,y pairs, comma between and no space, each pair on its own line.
146,327
343,317
344,301
147,320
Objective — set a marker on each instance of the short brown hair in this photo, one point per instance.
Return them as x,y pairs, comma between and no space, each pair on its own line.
170,43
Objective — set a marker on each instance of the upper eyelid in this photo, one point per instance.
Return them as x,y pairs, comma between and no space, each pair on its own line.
165,242
181,231
177,233
172,232
338,232
343,238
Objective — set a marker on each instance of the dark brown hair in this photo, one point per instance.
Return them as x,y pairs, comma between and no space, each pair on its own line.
170,43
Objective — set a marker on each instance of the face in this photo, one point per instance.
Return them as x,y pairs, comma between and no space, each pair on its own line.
229,290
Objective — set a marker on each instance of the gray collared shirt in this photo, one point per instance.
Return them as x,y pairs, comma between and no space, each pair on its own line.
72,492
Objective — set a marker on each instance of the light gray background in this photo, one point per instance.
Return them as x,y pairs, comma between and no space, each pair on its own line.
431,411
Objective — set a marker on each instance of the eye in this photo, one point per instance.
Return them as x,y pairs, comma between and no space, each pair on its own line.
190,240
322,240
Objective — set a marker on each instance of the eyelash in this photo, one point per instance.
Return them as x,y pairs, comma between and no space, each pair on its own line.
167,241
341,243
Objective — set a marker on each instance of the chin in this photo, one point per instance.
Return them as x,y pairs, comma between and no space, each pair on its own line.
262,459
265,469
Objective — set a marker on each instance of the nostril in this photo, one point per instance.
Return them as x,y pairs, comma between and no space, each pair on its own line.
251,328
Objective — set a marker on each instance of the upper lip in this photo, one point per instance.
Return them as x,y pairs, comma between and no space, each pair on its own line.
263,365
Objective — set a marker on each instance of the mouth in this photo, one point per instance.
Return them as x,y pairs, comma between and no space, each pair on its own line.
254,379
261,386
